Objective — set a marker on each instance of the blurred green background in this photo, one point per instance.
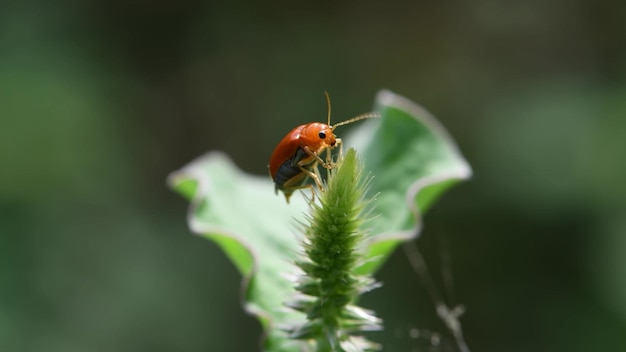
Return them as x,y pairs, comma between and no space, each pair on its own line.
100,100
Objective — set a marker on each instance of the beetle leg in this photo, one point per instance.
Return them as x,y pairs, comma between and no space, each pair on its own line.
338,143
316,156
329,157
311,187
289,189
315,176
302,188
294,184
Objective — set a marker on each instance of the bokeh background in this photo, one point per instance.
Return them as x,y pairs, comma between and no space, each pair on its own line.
100,100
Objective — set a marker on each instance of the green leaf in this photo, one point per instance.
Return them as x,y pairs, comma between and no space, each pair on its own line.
255,228
412,161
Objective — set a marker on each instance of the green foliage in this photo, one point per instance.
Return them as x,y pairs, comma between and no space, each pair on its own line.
411,160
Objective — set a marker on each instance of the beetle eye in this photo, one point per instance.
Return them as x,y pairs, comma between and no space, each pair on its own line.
322,135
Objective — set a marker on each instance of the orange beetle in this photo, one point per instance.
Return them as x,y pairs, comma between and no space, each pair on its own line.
294,161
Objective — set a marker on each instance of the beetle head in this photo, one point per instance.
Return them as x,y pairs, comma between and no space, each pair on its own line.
317,136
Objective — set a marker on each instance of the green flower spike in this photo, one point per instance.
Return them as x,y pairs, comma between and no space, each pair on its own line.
412,161
333,246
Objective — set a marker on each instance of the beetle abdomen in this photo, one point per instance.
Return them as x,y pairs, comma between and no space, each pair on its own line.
290,169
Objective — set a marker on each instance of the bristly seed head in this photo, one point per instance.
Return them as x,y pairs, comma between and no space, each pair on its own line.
332,252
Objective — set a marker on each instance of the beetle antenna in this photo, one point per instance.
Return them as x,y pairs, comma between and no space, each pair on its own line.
368,115
328,103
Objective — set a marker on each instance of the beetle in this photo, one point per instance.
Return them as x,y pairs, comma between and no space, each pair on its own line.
294,162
